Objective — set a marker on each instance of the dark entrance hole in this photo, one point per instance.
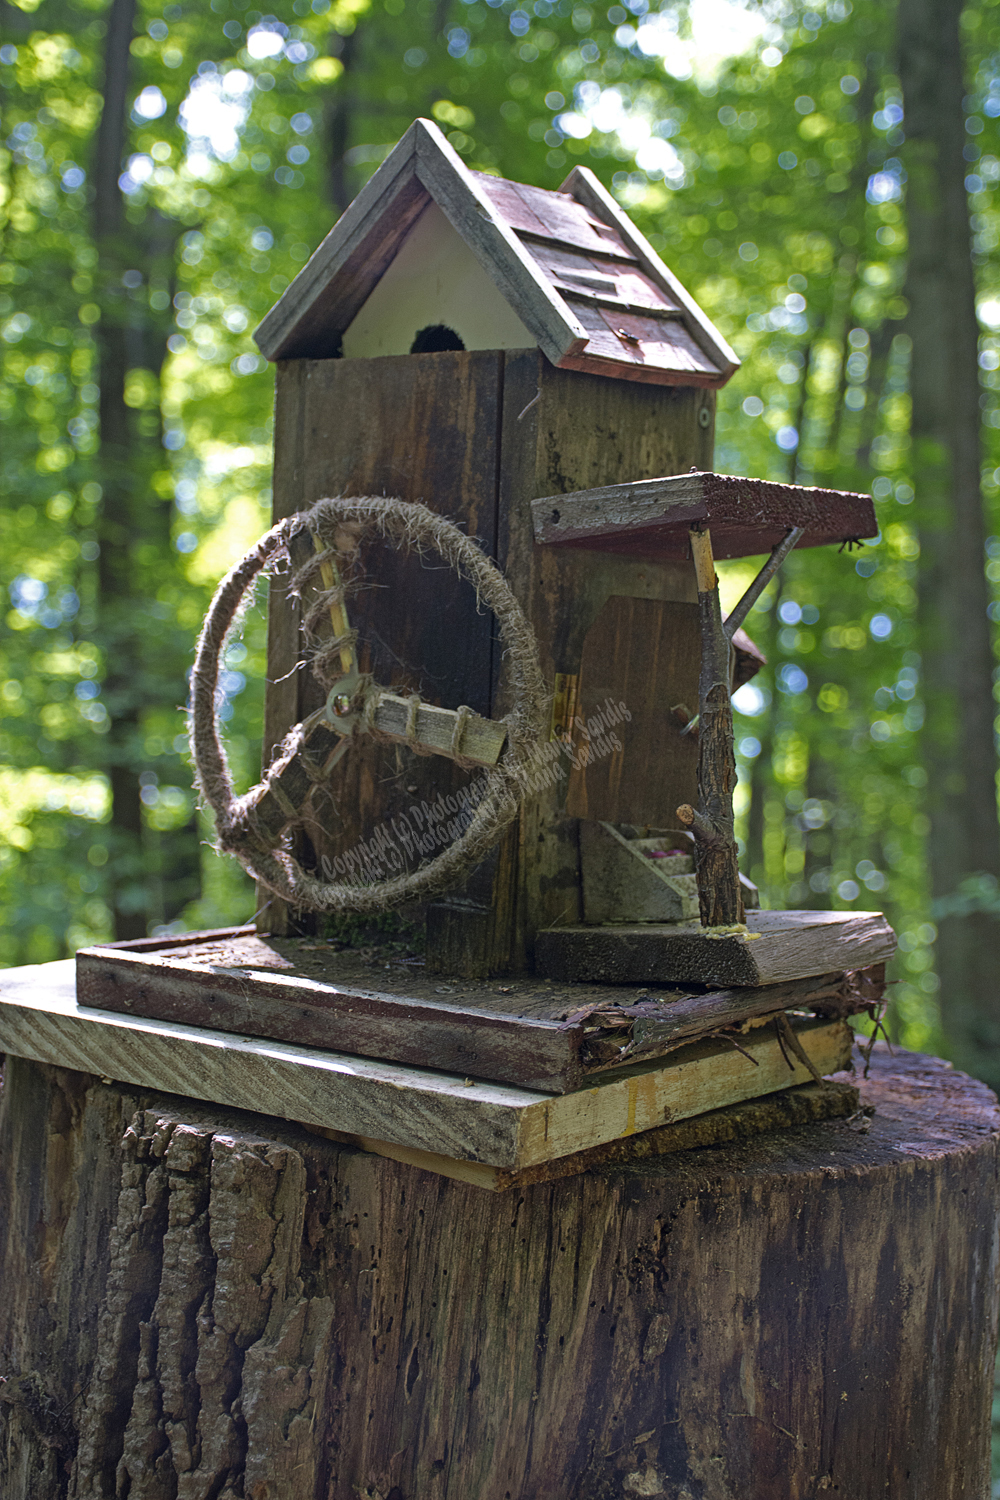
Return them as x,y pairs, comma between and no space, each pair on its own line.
436,339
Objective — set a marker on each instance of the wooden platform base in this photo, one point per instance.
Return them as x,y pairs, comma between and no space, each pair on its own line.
202,1301
380,1001
777,946
447,1115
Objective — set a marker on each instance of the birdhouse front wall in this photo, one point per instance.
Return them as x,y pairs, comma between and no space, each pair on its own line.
434,279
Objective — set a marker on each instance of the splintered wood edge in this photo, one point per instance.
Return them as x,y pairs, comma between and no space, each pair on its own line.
464,1119
688,1082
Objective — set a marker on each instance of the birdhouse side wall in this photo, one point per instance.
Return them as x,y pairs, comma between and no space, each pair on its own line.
564,431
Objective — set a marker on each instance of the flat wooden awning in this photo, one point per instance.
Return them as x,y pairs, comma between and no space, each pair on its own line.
651,518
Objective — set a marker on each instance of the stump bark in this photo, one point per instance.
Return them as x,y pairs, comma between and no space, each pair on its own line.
203,1303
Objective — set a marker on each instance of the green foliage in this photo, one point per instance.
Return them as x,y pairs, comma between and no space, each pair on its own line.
767,176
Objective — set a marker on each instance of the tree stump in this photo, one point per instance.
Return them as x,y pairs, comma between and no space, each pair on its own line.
201,1304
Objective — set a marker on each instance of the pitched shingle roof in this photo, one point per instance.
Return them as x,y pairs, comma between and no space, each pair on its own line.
579,275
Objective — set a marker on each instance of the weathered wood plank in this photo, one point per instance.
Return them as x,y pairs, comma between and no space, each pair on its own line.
657,348
651,517
505,1126
470,932
375,1003
471,211
555,218
537,1054
311,314
564,433
640,656
654,1025
802,1105
779,945
696,1078
41,1019
679,375
590,191
608,280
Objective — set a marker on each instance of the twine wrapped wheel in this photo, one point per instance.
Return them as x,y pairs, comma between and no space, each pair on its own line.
409,527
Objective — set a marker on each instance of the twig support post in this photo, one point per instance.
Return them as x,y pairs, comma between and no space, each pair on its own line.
719,896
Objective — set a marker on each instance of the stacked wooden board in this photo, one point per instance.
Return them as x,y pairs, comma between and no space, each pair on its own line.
380,1001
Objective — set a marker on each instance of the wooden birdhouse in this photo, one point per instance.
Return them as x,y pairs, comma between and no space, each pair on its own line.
497,630
565,356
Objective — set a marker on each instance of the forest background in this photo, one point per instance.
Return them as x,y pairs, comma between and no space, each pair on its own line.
822,178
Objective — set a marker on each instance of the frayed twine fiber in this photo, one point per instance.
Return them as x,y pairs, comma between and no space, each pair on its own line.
408,526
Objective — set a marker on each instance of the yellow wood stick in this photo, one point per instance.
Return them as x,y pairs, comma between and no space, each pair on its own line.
338,612
704,563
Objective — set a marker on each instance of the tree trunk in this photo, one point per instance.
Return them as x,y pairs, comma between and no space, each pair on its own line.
200,1302
117,467
339,114
954,630
150,879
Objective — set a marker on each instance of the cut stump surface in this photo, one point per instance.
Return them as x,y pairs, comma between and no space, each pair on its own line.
200,1301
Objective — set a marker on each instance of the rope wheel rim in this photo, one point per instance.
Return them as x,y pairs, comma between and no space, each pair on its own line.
408,526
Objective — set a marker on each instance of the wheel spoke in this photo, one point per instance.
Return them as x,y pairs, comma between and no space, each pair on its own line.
281,798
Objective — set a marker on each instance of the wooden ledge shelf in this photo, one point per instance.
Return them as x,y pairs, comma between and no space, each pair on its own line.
779,946
746,517
453,1118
